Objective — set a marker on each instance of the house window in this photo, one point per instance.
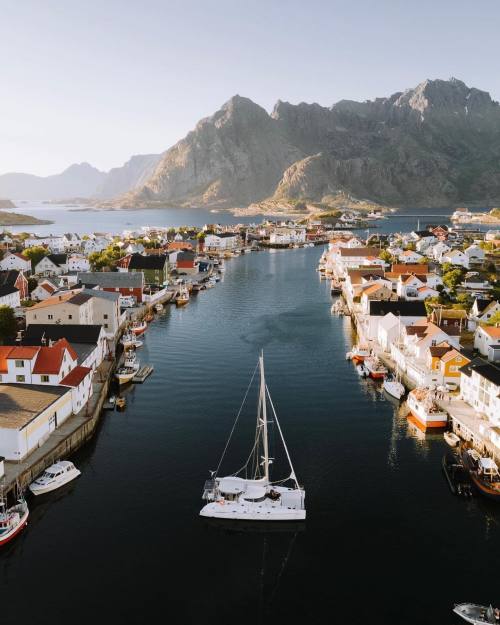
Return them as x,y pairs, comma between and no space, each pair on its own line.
105,316
44,378
70,316
106,325
20,378
19,363
50,316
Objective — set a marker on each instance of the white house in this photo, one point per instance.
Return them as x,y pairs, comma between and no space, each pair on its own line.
10,296
438,250
106,310
44,290
287,236
37,364
484,336
388,331
71,307
53,243
78,262
222,241
52,265
71,242
94,245
410,257
79,380
480,388
13,260
482,310
475,253
456,257
28,415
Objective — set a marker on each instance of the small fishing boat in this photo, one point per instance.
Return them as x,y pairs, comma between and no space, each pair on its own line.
362,371
456,475
13,519
451,438
139,327
477,614
130,340
358,353
130,367
483,473
394,387
376,369
183,297
158,307
55,476
423,408
253,496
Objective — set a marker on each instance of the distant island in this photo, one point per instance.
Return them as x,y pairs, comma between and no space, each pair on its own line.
16,219
7,204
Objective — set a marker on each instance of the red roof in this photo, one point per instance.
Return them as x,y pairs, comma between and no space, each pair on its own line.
50,358
48,287
76,376
4,352
20,353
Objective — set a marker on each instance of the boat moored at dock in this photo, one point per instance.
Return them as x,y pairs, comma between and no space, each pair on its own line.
375,368
55,476
424,410
394,387
130,367
358,353
477,614
483,473
256,498
12,520
139,327
183,297
451,439
129,340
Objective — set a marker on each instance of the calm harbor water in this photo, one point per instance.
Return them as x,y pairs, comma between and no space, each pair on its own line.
385,541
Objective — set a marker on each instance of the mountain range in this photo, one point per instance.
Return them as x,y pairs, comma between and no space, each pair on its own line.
435,145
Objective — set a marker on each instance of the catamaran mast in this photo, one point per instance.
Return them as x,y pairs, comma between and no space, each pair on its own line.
263,416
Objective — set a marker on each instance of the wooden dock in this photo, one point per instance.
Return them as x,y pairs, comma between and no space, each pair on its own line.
142,374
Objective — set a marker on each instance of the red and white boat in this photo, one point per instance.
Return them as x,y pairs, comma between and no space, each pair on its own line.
375,368
358,353
12,520
424,410
139,327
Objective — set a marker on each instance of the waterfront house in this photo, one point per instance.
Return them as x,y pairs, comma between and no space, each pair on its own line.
125,283
106,310
9,296
88,341
37,364
45,289
71,307
154,268
13,260
388,331
480,388
79,380
446,362
28,415
52,265
376,291
484,336
410,312
16,279
223,241
185,263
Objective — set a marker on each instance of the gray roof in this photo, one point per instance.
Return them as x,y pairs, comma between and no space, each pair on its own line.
109,295
112,279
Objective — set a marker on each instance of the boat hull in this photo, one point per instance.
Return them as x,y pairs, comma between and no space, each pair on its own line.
10,535
140,330
395,390
423,424
51,487
480,485
242,512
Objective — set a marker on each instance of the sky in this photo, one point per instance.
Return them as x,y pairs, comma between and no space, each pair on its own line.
101,80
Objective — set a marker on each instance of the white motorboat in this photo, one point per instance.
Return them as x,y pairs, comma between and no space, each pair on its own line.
358,353
451,438
130,340
55,476
424,409
394,387
12,520
130,367
376,369
477,614
255,498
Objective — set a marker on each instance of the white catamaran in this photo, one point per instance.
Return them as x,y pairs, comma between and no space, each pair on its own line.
255,498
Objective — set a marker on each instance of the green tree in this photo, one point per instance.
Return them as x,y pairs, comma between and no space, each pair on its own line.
452,278
35,254
463,301
8,325
385,256
32,284
494,319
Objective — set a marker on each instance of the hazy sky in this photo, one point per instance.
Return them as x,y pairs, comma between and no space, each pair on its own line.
100,80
